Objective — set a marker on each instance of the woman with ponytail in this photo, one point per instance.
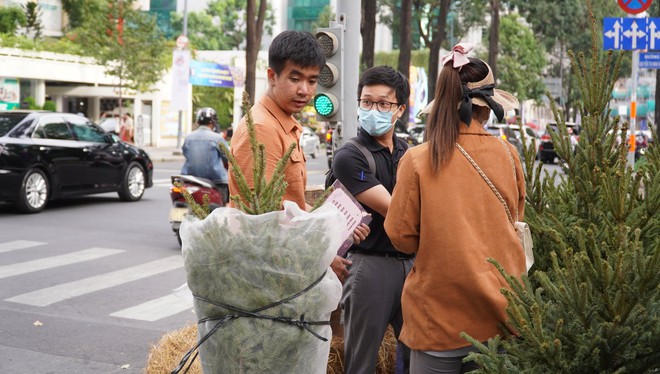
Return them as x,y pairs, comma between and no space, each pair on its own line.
445,212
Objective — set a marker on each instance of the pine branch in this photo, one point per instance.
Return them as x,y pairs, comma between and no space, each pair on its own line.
265,196
199,211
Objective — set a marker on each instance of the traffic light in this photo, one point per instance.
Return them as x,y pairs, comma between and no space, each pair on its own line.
328,101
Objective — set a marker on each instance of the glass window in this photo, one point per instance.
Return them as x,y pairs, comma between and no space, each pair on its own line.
53,127
85,131
9,120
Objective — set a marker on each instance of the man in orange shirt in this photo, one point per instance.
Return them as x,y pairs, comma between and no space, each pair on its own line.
295,60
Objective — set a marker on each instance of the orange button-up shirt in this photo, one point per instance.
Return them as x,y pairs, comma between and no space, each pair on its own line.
276,130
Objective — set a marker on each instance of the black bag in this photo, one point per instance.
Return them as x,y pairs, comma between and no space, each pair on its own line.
329,176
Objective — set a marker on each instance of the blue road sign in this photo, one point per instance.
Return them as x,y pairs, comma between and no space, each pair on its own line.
631,33
649,60
210,74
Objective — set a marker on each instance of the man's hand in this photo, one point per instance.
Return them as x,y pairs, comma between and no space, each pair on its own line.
361,232
339,265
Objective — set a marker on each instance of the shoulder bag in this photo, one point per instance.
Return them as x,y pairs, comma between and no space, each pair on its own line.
522,228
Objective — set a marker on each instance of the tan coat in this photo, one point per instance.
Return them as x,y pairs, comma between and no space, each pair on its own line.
454,222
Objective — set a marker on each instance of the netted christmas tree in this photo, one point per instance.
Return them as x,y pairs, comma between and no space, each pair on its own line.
263,290
592,301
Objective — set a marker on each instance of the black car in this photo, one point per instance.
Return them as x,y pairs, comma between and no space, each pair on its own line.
48,155
547,152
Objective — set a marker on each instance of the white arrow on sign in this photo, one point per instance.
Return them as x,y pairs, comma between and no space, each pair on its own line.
634,33
615,34
653,35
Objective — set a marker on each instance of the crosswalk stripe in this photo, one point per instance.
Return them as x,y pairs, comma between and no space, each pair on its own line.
155,309
55,261
50,295
18,244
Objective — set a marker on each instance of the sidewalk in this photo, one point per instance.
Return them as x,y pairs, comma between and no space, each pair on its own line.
164,154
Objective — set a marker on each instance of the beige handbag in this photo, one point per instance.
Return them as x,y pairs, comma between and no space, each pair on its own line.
522,229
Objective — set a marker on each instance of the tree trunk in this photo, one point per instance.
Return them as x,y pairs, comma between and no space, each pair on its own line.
405,37
494,36
436,43
368,31
253,38
405,45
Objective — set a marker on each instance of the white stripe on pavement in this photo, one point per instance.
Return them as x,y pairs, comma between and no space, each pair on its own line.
155,309
55,261
160,181
50,295
18,244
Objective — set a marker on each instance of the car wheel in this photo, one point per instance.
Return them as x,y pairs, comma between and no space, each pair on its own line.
315,154
33,195
132,188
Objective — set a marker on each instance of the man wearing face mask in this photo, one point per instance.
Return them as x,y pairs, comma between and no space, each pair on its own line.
371,297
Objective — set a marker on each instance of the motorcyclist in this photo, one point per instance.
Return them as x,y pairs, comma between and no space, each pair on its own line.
204,157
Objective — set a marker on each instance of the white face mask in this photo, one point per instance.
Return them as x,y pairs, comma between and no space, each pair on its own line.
375,123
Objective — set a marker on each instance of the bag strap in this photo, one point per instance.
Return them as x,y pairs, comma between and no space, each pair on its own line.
365,152
485,178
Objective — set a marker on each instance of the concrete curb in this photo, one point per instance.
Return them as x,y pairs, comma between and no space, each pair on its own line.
164,154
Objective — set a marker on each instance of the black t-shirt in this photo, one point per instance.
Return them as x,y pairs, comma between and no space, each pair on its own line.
351,168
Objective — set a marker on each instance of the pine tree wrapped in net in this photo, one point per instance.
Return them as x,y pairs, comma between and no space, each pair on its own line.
260,275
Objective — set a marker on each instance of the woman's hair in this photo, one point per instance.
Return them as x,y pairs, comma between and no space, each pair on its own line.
443,123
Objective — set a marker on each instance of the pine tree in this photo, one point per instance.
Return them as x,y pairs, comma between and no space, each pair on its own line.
265,196
33,25
592,301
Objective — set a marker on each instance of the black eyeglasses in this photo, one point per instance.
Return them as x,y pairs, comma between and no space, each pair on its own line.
382,106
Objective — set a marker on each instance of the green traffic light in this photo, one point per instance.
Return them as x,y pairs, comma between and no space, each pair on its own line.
324,105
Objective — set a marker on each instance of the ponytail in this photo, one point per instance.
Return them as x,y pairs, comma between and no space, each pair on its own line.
443,124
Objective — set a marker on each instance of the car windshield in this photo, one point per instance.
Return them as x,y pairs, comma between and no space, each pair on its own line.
9,120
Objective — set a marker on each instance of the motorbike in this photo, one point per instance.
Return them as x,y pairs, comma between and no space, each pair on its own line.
197,187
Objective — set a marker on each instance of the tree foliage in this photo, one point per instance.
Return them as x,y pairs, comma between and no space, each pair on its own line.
11,18
128,43
33,25
219,98
521,60
222,26
324,18
558,25
592,304
78,11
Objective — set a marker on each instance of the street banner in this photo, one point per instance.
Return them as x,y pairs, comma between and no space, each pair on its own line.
210,74
180,73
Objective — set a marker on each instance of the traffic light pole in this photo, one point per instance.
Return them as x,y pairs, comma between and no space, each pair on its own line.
349,15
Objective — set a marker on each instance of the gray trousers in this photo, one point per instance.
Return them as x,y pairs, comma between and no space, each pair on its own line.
424,363
371,300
